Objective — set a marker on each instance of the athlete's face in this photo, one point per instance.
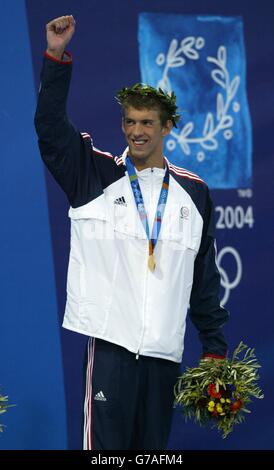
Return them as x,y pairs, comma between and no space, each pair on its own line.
144,134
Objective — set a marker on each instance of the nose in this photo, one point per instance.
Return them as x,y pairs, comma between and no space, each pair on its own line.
138,129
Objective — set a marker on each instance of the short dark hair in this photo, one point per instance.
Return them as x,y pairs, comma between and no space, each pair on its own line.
141,96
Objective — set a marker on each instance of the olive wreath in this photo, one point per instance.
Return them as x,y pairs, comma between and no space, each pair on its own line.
167,100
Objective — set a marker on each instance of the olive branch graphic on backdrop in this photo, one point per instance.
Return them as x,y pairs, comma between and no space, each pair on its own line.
177,57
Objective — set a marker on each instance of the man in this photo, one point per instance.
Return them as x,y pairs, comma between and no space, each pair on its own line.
142,249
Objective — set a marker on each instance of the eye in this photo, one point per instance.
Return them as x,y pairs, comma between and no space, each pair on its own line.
147,122
129,122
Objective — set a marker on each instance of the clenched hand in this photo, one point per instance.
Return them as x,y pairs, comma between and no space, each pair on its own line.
59,33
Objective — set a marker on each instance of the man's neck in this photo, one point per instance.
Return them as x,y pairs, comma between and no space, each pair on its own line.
149,163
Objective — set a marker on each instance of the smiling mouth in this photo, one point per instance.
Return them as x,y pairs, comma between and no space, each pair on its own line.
139,142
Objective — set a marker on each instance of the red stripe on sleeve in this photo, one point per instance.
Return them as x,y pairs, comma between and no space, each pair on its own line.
48,56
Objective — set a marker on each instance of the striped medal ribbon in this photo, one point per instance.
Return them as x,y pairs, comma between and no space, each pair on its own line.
137,193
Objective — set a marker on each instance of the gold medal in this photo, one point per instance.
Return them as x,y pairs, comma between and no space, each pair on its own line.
151,263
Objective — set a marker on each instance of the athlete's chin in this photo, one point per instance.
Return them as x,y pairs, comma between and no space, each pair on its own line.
139,154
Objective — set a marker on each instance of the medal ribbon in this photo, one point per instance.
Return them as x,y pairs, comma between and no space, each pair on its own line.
137,193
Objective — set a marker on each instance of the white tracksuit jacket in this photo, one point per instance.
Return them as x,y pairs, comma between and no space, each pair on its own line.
111,294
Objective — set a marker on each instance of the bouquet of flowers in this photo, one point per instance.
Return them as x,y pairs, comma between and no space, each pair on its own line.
3,407
218,391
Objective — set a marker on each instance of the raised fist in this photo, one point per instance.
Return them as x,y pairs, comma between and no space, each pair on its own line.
59,33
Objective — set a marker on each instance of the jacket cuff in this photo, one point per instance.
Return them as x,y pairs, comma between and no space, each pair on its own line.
67,58
213,356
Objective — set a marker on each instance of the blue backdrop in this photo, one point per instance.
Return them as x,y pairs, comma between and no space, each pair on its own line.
218,56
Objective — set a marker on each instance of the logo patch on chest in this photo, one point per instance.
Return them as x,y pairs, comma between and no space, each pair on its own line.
120,201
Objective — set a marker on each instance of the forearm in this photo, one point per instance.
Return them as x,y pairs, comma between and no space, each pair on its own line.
210,331
205,310
58,140
53,93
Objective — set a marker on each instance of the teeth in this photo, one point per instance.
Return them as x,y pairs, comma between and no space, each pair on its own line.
139,142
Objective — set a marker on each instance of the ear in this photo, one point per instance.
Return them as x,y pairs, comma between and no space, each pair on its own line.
167,128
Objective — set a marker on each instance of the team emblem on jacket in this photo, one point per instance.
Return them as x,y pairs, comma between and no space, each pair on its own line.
184,212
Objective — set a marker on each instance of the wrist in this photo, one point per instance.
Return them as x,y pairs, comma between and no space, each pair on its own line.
64,58
209,356
56,54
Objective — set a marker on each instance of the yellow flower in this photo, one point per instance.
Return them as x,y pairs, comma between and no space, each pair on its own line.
228,401
222,400
211,406
219,408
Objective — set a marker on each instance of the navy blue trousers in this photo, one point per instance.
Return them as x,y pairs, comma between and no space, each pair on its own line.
129,401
